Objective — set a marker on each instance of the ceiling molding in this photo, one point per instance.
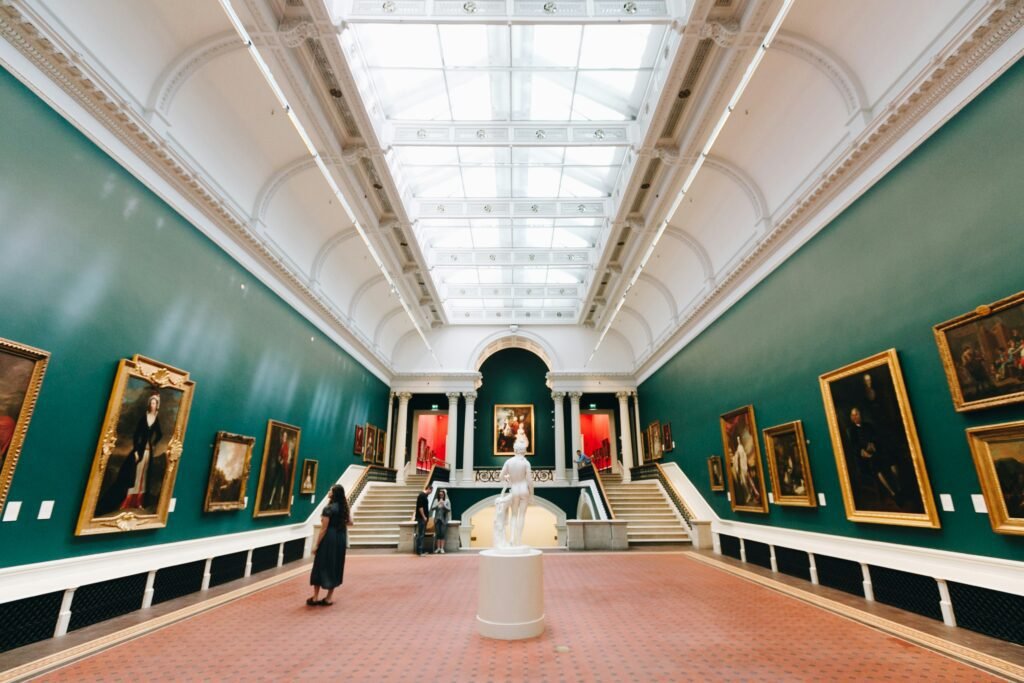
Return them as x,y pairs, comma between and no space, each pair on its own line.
696,247
665,291
387,317
828,64
326,248
746,183
643,324
361,292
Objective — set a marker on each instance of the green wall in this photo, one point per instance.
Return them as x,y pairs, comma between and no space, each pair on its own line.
939,235
514,376
97,268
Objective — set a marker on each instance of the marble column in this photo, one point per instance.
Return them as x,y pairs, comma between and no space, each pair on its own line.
390,431
452,439
400,437
559,397
574,425
627,439
467,437
639,431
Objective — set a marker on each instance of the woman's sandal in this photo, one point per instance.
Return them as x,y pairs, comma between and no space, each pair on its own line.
324,603
311,602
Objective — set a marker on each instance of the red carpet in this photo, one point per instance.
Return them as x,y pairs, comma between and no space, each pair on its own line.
623,617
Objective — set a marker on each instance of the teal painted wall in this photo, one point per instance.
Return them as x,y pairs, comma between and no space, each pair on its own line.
939,235
514,376
98,268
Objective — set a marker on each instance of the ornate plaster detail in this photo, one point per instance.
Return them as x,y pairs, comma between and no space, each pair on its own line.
177,73
742,180
294,32
832,67
723,33
695,246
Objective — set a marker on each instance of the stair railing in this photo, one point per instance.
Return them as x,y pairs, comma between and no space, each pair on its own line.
371,474
653,470
590,472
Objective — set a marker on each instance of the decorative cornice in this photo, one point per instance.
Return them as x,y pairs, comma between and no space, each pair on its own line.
723,33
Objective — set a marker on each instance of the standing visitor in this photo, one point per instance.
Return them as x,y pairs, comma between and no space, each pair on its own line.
422,506
442,512
329,550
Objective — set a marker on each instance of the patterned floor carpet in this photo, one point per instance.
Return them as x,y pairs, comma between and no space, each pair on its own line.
627,617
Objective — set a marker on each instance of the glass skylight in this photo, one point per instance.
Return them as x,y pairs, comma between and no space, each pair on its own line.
497,137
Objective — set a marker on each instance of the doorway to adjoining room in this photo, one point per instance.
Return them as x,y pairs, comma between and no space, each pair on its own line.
597,427
429,439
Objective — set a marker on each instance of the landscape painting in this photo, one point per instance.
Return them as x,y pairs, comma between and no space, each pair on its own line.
229,472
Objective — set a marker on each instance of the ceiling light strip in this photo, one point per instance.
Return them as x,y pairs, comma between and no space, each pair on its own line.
773,30
264,68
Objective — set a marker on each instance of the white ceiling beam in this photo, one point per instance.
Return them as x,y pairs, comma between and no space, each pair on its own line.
502,133
506,13
515,256
454,292
489,207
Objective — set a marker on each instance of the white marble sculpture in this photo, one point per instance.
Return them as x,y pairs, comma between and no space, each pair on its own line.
512,506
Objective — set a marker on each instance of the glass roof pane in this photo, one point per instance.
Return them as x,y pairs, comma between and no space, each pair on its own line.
474,45
564,276
493,276
485,155
420,47
542,95
538,155
536,181
609,95
434,182
636,46
467,276
567,239
594,156
533,237
532,276
481,181
426,156
478,95
587,181
489,238
411,95
546,45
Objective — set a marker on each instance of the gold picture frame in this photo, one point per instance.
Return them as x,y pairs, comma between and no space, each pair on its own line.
381,445
715,473
370,447
21,377
881,468
277,471
508,417
229,472
307,482
744,472
1002,482
654,440
788,465
141,441
982,353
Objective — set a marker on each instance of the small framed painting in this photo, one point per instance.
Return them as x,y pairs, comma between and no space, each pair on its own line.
744,472
370,445
998,452
357,447
667,444
21,376
307,482
788,465
654,437
277,473
715,473
229,472
381,443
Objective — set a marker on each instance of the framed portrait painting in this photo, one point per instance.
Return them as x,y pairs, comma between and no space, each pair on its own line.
998,452
357,447
370,443
982,353
881,467
508,420
654,440
141,442
21,376
229,472
744,473
381,442
277,472
307,482
715,474
667,444
788,465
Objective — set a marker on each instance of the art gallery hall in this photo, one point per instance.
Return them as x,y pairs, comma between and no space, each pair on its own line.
508,341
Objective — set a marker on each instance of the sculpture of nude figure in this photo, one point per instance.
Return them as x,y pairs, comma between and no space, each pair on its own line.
517,473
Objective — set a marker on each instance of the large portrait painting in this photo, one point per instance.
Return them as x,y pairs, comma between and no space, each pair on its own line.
998,452
715,474
744,472
21,375
141,441
277,473
229,472
307,482
508,419
983,354
788,465
381,442
881,468
654,441
370,443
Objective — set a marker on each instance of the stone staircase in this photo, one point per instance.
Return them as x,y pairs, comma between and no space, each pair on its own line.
380,509
652,517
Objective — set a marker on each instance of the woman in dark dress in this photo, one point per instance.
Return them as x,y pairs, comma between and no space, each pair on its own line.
329,551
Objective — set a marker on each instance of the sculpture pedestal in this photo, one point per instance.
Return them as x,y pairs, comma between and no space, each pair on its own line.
511,602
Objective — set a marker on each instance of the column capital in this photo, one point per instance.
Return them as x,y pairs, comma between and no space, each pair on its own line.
470,396
453,395
622,395
558,395
404,396
575,396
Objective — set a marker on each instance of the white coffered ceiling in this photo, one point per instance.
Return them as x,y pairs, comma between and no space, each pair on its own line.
428,172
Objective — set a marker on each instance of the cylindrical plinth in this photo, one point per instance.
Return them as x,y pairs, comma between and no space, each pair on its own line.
511,603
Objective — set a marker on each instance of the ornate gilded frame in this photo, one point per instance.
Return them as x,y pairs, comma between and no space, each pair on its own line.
222,506
930,517
668,443
40,359
949,365
981,440
303,489
257,510
369,443
771,434
655,445
748,410
381,444
720,485
530,436
161,376
359,441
